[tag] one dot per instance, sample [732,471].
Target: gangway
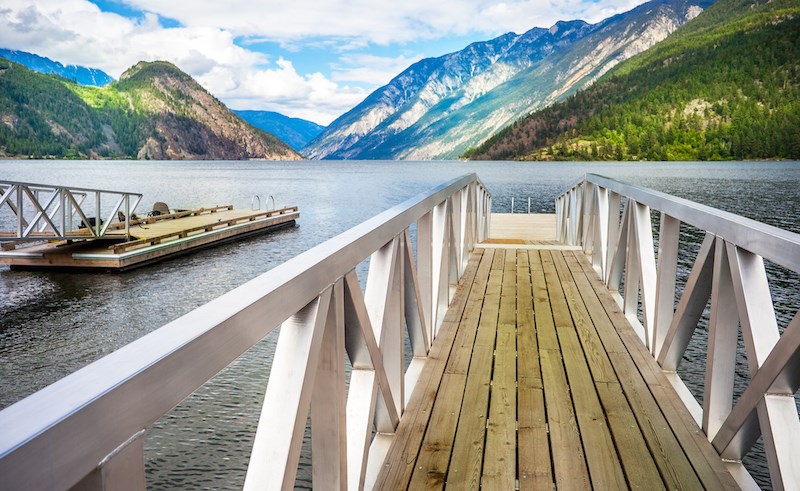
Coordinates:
[537,362]
[51,212]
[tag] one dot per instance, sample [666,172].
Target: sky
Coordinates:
[310,59]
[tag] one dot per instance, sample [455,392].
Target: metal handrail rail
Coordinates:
[611,221]
[34,216]
[775,244]
[95,416]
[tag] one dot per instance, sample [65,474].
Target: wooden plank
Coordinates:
[533,452]
[399,462]
[638,464]
[533,448]
[500,457]
[604,465]
[704,459]
[527,348]
[596,356]
[468,327]
[467,460]
[567,451]
[667,452]
[673,465]
[430,470]
[521,228]
[545,328]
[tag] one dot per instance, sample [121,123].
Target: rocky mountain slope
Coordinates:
[78,74]
[155,111]
[726,86]
[440,107]
[295,132]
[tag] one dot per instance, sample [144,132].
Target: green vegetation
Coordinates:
[36,112]
[725,86]
[154,111]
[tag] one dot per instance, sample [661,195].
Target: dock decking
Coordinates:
[151,239]
[537,380]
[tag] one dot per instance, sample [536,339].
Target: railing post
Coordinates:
[645,255]
[279,437]
[452,252]
[600,245]
[668,238]
[384,301]
[586,215]
[488,211]
[614,202]
[723,330]
[586,219]
[425,270]
[121,470]
[441,264]
[328,402]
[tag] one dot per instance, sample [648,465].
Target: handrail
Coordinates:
[87,427]
[611,221]
[52,217]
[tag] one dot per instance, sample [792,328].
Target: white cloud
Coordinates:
[313,97]
[370,69]
[379,21]
[78,32]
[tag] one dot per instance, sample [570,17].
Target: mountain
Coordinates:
[726,86]
[295,132]
[78,74]
[155,111]
[440,107]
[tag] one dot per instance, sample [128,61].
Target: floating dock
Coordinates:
[148,239]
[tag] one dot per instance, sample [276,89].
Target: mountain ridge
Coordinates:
[439,107]
[726,86]
[78,74]
[155,111]
[295,132]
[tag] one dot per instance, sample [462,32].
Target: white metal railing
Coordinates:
[88,427]
[42,211]
[611,221]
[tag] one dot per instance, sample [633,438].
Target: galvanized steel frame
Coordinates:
[611,221]
[86,429]
[54,209]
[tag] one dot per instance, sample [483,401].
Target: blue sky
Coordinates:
[313,59]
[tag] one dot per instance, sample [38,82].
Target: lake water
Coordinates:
[54,323]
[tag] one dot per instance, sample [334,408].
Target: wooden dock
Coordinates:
[537,381]
[149,240]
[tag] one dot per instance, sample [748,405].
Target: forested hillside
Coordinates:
[440,107]
[155,111]
[725,86]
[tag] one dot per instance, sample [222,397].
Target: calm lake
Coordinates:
[54,323]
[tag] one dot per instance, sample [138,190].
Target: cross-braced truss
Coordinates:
[611,221]
[44,212]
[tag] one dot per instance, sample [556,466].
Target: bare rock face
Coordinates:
[440,107]
[151,150]
[189,123]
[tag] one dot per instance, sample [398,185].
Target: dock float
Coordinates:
[148,240]
[474,357]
